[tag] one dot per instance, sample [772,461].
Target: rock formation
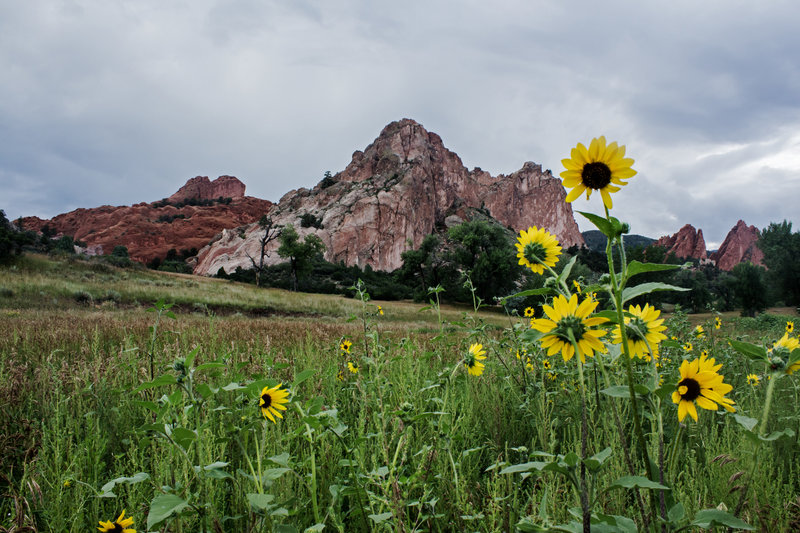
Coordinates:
[150,230]
[739,246]
[401,188]
[201,188]
[688,243]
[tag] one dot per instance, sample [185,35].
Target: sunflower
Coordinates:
[340,375]
[600,168]
[380,310]
[352,366]
[567,316]
[699,332]
[528,312]
[473,359]
[642,328]
[576,285]
[702,384]
[789,326]
[787,344]
[717,322]
[346,345]
[536,248]
[546,364]
[687,347]
[752,379]
[120,525]
[273,401]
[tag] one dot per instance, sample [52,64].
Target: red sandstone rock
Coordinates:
[398,190]
[201,188]
[739,246]
[138,227]
[687,243]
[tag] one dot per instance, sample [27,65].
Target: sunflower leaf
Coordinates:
[600,223]
[636,267]
[162,507]
[775,435]
[746,422]
[524,467]
[629,482]
[708,517]
[302,376]
[594,462]
[567,269]
[530,292]
[647,288]
[166,379]
[756,353]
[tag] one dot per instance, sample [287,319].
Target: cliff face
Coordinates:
[687,243]
[394,193]
[201,188]
[739,246]
[150,230]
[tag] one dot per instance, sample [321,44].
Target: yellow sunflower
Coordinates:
[537,248]
[528,312]
[789,326]
[273,401]
[565,316]
[380,310]
[473,359]
[576,285]
[701,384]
[717,322]
[643,326]
[120,525]
[699,332]
[752,379]
[352,367]
[345,346]
[600,168]
[787,344]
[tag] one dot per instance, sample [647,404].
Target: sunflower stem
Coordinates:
[673,455]
[584,490]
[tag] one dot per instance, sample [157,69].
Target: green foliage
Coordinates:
[11,240]
[781,249]
[310,220]
[750,289]
[300,254]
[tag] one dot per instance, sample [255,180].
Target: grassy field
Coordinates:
[111,401]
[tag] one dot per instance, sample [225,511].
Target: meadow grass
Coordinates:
[410,442]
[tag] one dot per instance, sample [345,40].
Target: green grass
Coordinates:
[410,443]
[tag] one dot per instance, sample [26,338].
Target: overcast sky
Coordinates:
[118,102]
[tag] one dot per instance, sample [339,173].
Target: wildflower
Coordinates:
[67,484]
[536,248]
[546,364]
[529,366]
[473,359]
[380,310]
[352,366]
[699,332]
[752,379]
[346,345]
[687,347]
[704,353]
[567,317]
[120,525]
[642,328]
[701,384]
[273,401]
[717,322]
[788,344]
[340,375]
[600,168]
[789,326]
[576,285]
[552,376]
[528,312]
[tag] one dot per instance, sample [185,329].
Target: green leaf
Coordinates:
[183,437]
[206,366]
[775,435]
[756,353]
[524,467]
[283,528]
[316,528]
[676,513]
[647,288]
[191,357]
[163,506]
[302,376]
[635,267]
[617,391]
[600,223]
[378,518]
[709,517]
[629,482]
[260,501]
[108,487]
[166,379]
[594,462]
[746,422]
[280,460]
[530,292]
[272,474]
[567,269]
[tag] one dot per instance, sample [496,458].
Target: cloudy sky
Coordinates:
[117,102]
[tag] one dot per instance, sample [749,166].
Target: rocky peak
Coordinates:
[401,188]
[740,245]
[687,243]
[201,188]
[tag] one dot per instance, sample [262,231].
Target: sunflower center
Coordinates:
[596,175]
[534,252]
[117,528]
[570,322]
[692,389]
[267,399]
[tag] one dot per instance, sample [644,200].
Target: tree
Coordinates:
[10,240]
[271,232]
[300,254]
[781,250]
[750,288]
